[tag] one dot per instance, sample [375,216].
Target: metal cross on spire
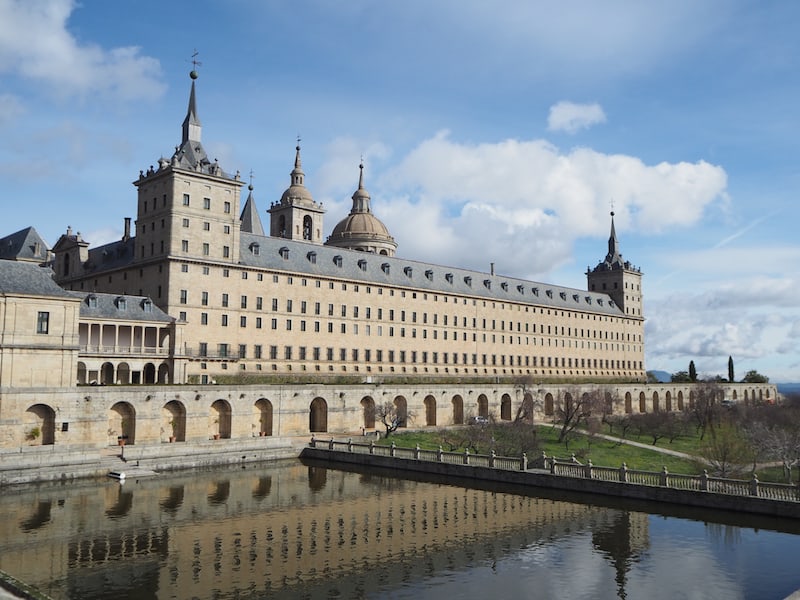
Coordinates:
[195,63]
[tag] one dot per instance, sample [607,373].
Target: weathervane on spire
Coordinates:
[612,207]
[251,179]
[195,63]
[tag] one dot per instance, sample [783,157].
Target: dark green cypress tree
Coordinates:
[730,369]
[692,372]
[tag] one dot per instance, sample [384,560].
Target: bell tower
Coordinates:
[297,216]
[618,278]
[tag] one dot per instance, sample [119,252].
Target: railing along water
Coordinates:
[575,469]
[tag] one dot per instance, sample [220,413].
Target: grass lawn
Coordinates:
[600,452]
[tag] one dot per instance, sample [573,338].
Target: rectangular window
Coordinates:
[186,199]
[203,318]
[203,349]
[207,203]
[227,206]
[204,298]
[242,321]
[206,249]
[224,300]
[242,351]
[224,320]
[243,302]
[257,351]
[185,222]
[259,303]
[223,350]
[275,304]
[184,246]
[43,322]
[183,296]
[226,252]
[288,306]
[258,322]
[273,353]
[287,353]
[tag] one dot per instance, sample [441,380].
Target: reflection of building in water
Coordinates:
[623,542]
[272,530]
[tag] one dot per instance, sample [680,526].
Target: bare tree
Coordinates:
[525,385]
[774,431]
[392,416]
[727,451]
[706,406]
[574,409]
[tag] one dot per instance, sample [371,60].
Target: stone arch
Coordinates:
[642,403]
[628,403]
[656,406]
[368,412]
[106,374]
[760,395]
[122,423]
[401,409]
[174,418]
[691,400]
[505,408]
[735,396]
[220,419]
[163,373]
[567,402]
[149,374]
[318,416]
[123,373]
[680,400]
[39,425]
[458,410]
[483,406]
[668,402]
[549,408]
[308,227]
[263,409]
[608,406]
[527,407]
[430,411]
[82,373]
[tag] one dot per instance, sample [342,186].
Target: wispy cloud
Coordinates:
[571,117]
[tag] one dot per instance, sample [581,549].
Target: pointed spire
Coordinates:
[361,198]
[613,245]
[249,219]
[191,124]
[297,172]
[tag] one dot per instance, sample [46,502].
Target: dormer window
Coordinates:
[429,275]
[563,295]
[487,283]
[337,260]
[312,257]
[91,301]
[284,252]
[535,291]
[385,268]
[147,305]
[362,264]
[549,293]
[121,302]
[576,297]
[588,299]
[504,286]
[600,301]
[521,289]
[468,281]
[408,271]
[255,248]
[448,278]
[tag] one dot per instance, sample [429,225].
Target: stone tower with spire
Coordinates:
[361,230]
[618,278]
[296,216]
[188,207]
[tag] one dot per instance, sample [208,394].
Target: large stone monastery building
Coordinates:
[293,303]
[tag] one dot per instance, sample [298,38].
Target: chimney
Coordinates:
[127,235]
[491,270]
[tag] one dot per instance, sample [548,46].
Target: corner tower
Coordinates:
[618,278]
[297,216]
[362,230]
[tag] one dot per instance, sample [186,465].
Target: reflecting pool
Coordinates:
[300,530]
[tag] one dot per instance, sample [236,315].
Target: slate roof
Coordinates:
[23,245]
[120,307]
[339,263]
[29,279]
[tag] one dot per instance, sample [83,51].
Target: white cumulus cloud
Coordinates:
[35,44]
[572,117]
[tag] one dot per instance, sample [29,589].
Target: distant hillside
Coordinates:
[788,388]
[662,376]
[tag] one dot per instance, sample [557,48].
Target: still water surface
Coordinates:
[294,530]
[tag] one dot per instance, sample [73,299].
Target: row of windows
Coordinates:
[187,201]
[367,329]
[330,354]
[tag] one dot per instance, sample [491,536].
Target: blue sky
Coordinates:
[488,134]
